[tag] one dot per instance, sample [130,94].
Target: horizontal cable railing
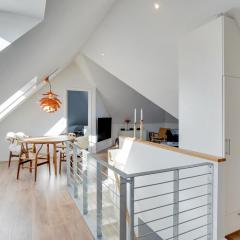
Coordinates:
[174,203]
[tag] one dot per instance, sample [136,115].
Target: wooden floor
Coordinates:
[234,236]
[38,211]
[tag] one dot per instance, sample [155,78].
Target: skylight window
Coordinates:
[3,43]
[18,97]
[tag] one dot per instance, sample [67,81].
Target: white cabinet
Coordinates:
[209,103]
[232,149]
[201,88]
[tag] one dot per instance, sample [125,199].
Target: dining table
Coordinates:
[51,140]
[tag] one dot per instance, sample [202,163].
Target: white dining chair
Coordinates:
[14,148]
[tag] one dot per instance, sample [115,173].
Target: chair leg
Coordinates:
[19,166]
[60,164]
[49,167]
[36,162]
[10,158]
[30,169]
[48,158]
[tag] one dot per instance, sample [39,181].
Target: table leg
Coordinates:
[55,158]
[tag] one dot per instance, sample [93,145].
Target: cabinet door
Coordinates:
[232,145]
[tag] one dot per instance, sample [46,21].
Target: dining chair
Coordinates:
[35,159]
[14,148]
[63,155]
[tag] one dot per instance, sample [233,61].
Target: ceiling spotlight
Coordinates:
[156,5]
[102,54]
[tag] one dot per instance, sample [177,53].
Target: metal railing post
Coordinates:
[68,162]
[75,171]
[176,204]
[131,212]
[99,200]
[210,202]
[123,208]
[85,182]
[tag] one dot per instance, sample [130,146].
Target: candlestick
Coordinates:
[135,122]
[141,114]
[135,115]
[141,130]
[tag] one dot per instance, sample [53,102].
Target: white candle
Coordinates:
[135,115]
[141,114]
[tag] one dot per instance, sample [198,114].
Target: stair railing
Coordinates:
[175,203]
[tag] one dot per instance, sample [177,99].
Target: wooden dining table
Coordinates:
[49,141]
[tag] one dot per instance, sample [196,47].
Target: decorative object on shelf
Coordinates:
[127,121]
[50,102]
[135,123]
[141,125]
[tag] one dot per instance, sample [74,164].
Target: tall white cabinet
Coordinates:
[209,103]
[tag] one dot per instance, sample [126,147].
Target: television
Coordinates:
[104,128]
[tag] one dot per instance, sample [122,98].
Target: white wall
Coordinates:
[201,89]
[116,99]
[29,118]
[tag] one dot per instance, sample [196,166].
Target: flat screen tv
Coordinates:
[104,128]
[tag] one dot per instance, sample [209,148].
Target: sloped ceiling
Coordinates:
[50,45]
[24,7]
[129,38]
[139,44]
[118,98]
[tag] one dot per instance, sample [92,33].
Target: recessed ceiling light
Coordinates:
[156,5]
[102,54]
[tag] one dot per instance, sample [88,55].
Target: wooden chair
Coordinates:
[12,155]
[163,133]
[35,157]
[160,136]
[14,147]
[62,150]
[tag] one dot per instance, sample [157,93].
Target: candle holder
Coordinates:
[141,130]
[134,130]
[127,121]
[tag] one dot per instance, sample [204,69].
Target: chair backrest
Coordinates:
[163,133]
[10,137]
[20,135]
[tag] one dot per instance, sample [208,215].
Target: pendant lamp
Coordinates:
[49,101]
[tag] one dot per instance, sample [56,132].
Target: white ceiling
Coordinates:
[33,8]
[140,44]
[50,45]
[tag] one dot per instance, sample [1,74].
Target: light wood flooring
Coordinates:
[38,211]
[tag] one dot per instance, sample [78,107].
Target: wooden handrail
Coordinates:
[204,156]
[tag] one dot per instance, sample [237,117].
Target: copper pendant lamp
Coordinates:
[49,101]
